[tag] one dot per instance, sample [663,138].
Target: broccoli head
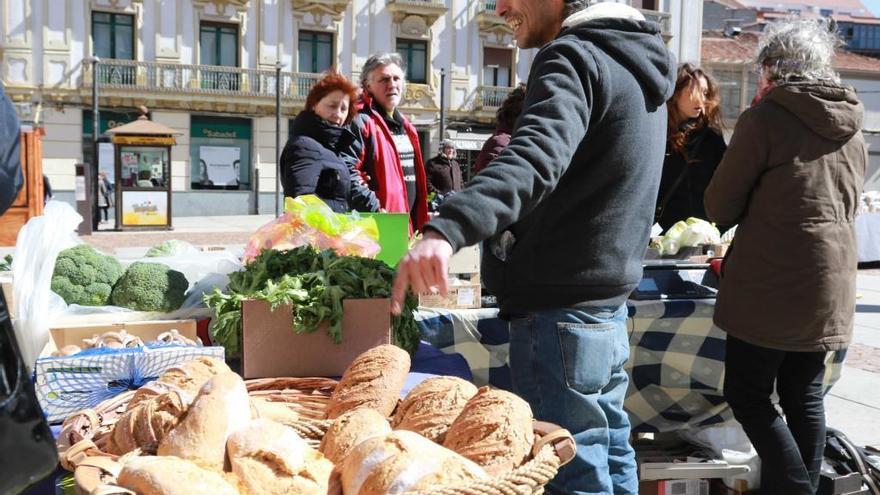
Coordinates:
[85,276]
[150,287]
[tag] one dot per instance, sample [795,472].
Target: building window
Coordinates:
[113,39]
[730,82]
[220,153]
[218,45]
[113,35]
[496,67]
[315,51]
[415,57]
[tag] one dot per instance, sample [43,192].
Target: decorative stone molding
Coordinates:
[319,8]
[121,6]
[220,6]
[419,97]
[489,21]
[414,25]
[431,10]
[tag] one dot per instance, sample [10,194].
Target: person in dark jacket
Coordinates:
[567,208]
[791,179]
[24,434]
[505,118]
[311,161]
[388,172]
[443,171]
[694,146]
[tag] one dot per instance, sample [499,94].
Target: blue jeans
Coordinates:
[568,364]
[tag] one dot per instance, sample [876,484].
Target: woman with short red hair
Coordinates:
[310,162]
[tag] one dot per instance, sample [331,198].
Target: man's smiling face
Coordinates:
[534,22]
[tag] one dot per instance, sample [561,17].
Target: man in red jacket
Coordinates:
[389,170]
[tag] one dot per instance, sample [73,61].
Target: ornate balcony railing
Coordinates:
[488,6]
[492,96]
[160,77]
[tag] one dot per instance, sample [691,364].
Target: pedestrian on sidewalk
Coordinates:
[567,209]
[791,178]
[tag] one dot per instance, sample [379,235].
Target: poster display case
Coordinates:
[143,175]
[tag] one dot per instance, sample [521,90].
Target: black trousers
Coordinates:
[791,450]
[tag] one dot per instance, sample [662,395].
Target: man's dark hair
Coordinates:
[510,108]
[572,6]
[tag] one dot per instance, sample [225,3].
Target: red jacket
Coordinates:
[387,173]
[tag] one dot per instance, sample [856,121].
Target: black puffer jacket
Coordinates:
[703,152]
[310,163]
[10,164]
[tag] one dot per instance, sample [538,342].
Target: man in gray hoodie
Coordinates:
[567,211]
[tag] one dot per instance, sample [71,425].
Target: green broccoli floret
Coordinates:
[150,287]
[170,247]
[85,276]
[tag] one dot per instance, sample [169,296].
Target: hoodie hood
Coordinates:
[623,33]
[828,109]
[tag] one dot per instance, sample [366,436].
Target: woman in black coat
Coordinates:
[310,162]
[694,146]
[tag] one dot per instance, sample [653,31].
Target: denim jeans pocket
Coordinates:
[590,352]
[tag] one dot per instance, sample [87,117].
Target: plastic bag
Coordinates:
[729,443]
[36,248]
[309,221]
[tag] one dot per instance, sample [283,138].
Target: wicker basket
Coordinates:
[85,434]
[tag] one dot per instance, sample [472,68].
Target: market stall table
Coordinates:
[676,363]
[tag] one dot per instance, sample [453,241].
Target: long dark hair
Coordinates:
[510,108]
[689,76]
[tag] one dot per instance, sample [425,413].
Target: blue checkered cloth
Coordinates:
[676,364]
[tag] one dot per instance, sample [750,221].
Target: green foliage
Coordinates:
[315,283]
[6,263]
[84,276]
[150,287]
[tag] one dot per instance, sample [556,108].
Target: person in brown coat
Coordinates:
[443,172]
[791,179]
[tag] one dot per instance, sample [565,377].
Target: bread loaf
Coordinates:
[431,407]
[402,461]
[185,379]
[171,476]
[350,429]
[374,379]
[146,424]
[270,458]
[494,430]
[280,412]
[220,408]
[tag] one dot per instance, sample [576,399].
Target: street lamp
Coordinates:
[277,137]
[96,126]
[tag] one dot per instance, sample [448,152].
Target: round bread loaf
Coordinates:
[185,379]
[270,458]
[152,475]
[431,407]
[402,461]
[494,430]
[146,424]
[374,379]
[350,429]
[221,408]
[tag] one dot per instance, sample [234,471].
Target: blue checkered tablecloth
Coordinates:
[676,363]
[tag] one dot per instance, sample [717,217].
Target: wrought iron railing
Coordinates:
[488,6]
[198,79]
[492,96]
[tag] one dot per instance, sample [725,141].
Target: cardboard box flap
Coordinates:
[271,347]
[60,336]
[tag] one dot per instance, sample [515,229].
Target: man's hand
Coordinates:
[423,268]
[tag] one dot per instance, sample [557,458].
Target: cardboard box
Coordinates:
[674,487]
[464,295]
[6,286]
[466,260]
[270,347]
[72,330]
